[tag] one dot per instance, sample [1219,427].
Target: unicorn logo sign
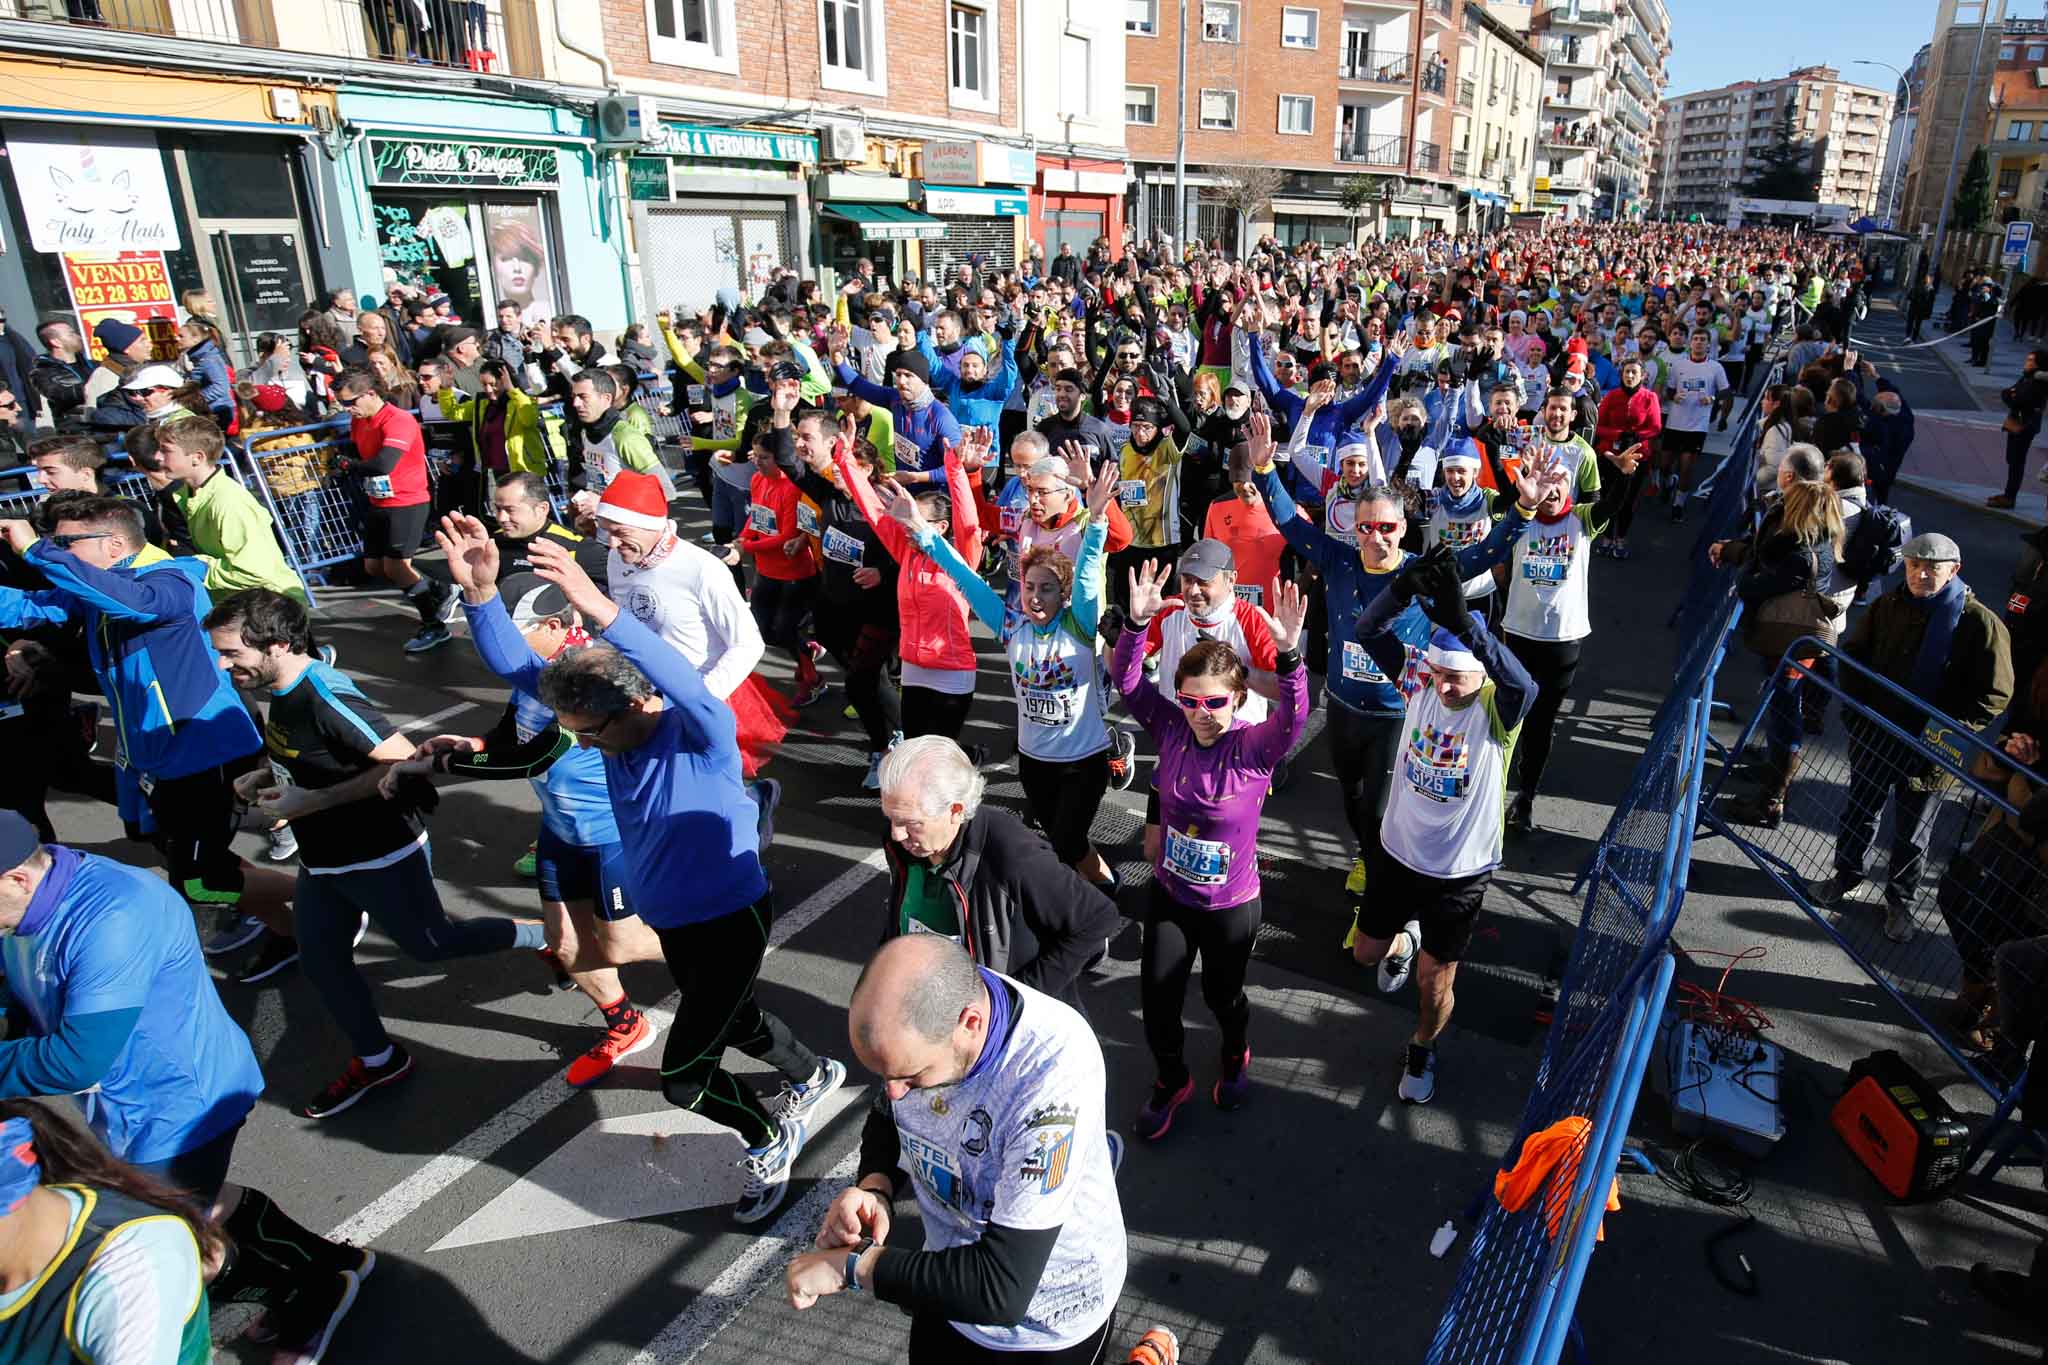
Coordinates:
[108,194]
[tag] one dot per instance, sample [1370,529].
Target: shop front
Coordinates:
[1318,218]
[1080,200]
[120,213]
[867,214]
[981,192]
[732,210]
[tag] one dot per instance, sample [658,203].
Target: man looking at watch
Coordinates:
[996,1108]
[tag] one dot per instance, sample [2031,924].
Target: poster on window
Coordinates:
[129,286]
[426,244]
[517,240]
[763,254]
[91,190]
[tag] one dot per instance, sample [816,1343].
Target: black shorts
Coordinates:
[197,817]
[394,532]
[1683,442]
[1447,908]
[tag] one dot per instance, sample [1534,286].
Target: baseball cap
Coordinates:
[17,840]
[156,377]
[1206,558]
[1935,546]
[531,599]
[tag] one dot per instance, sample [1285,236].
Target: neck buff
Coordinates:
[1465,508]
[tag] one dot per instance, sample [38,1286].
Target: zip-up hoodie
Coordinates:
[174,708]
[931,607]
[1637,415]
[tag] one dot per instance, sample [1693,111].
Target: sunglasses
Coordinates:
[67,541]
[594,731]
[1385,528]
[1189,703]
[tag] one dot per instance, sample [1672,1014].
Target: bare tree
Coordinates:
[1246,191]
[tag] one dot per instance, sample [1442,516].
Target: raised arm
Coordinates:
[855,481]
[984,600]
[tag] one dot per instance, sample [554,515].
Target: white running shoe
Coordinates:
[799,1099]
[1418,1076]
[873,781]
[767,1174]
[284,845]
[767,794]
[236,931]
[1396,967]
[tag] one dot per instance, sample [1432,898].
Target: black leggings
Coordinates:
[2017,444]
[934,1341]
[1064,796]
[714,964]
[780,605]
[863,649]
[927,711]
[1553,664]
[1362,750]
[1174,933]
[1632,485]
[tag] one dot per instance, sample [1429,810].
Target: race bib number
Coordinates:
[807,518]
[913,925]
[1437,764]
[1253,593]
[695,393]
[1546,571]
[1198,862]
[841,548]
[761,519]
[282,774]
[1319,454]
[1050,706]
[1131,492]
[1358,665]
[378,485]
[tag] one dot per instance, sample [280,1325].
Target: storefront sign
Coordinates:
[95,191]
[975,203]
[647,178]
[690,139]
[132,286]
[952,163]
[407,161]
[1002,164]
[267,278]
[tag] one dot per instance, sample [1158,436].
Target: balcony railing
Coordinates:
[501,36]
[1374,151]
[1440,8]
[1428,156]
[1388,73]
[1468,94]
[1461,163]
[1434,77]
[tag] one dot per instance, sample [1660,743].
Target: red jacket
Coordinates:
[1639,415]
[774,526]
[931,607]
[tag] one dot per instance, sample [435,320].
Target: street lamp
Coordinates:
[1891,200]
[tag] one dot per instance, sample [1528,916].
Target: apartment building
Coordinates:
[1712,139]
[1974,46]
[1905,131]
[1495,125]
[2018,142]
[1604,72]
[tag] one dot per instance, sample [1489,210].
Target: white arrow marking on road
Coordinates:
[409,1195]
[618,1169]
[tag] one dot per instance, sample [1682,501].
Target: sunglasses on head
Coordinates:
[1193,703]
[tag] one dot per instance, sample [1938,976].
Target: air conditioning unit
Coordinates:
[843,141]
[628,121]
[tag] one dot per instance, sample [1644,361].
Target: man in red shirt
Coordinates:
[392,464]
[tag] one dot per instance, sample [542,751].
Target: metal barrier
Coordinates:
[1959,883]
[1520,1279]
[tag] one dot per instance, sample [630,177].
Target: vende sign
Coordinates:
[952,163]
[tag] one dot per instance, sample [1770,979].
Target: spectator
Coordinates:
[61,371]
[278,363]
[1887,436]
[126,346]
[506,342]
[200,342]
[65,464]
[2024,400]
[341,311]
[17,363]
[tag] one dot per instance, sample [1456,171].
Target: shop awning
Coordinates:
[887,222]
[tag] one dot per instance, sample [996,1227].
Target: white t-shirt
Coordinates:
[1022,1143]
[690,600]
[1449,796]
[1694,384]
[1547,582]
[1459,533]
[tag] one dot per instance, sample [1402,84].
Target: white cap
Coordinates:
[157,377]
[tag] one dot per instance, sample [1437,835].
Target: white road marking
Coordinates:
[408,1196]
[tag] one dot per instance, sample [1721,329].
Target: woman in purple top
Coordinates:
[1212,781]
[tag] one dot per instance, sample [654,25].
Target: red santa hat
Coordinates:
[635,499]
[1576,365]
[1576,346]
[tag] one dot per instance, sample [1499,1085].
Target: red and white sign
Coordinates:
[134,286]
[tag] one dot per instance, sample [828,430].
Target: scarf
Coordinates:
[64,865]
[662,550]
[576,638]
[1465,508]
[1941,611]
[1000,1020]
[724,387]
[1561,514]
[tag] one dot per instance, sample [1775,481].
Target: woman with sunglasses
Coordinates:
[1213,778]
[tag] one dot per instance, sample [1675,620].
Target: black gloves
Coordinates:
[1446,603]
[1410,582]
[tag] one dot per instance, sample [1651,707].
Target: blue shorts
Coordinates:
[580,872]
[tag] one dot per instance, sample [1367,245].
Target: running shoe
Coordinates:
[1522,814]
[849,711]
[1836,889]
[1123,766]
[873,781]
[765,1174]
[87,716]
[327,654]
[236,930]
[1159,1346]
[1116,1150]
[1283,774]
[1234,1083]
[284,845]
[1395,967]
[429,637]
[1354,884]
[616,1045]
[449,606]
[977,754]
[1677,508]
[528,865]
[1618,550]
[357,1081]
[813,692]
[1603,547]
[1898,918]
[306,1320]
[362,930]
[800,1099]
[767,794]
[1418,1076]
[1157,1116]
[563,981]
[276,954]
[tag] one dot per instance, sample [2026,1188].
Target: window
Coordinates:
[2007,52]
[1297,113]
[2036,52]
[2008,183]
[1141,105]
[1077,76]
[1219,109]
[1142,17]
[695,33]
[851,45]
[971,68]
[2019,130]
[1298,27]
[1219,21]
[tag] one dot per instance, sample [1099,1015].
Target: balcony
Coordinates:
[1568,106]
[1437,9]
[1374,151]
[1557,134]
[1388,73]
[501,37]
[1435,76]
[1468,94]
[1570,50]
[1429,157]
[1570,14]
[1461,163]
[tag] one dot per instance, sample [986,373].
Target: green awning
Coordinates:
[888,222]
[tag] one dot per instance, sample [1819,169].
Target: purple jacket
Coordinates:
[1210,799]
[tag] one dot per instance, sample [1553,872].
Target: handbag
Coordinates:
[2011,426]
[1778,621]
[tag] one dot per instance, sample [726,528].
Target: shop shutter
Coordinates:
[993,239]
[688,254]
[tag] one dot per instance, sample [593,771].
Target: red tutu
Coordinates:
[761,717]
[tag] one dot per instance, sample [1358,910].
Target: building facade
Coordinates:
[1495,127]
[1969,50]
[1712,140]
[1905,131]
[1604,73]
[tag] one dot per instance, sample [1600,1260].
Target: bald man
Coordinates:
[995,1105]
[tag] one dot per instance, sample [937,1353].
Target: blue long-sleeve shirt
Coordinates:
[1356,680]
[983,406]
[922,434]
[1332,420]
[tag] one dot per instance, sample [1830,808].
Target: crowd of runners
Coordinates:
[1185,496]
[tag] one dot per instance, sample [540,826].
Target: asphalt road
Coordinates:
[517,1220]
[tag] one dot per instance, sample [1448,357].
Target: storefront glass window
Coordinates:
[476,252]
[517,240]
[246,181]
[1294,228]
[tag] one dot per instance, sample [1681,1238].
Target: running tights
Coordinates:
[934,1341]
[928,711]
[1362,750]
[1174,934]
[1064,796]
[1553,664]
[863,649]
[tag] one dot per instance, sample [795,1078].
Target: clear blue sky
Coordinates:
[1714,42]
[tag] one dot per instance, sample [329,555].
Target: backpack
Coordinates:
[1877,546]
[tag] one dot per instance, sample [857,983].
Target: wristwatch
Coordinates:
[853,1256]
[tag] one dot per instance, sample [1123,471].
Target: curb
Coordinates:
[1961,377]
[1949,495]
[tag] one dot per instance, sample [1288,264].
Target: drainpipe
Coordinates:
[604,63]
[608,180]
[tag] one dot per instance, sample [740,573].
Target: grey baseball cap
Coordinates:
[1935,546]
[1206,558]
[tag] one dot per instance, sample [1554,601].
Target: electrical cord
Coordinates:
[1698,1175]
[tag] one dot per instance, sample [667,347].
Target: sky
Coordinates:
[1716,42]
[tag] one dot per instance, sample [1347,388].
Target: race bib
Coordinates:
[1251,592]
[1009,520]
[761,519]
[1358,665]
[723,425]
[1131,492]
[1198,862]
[282,774]
[917,926]
[1320,454]
[1050,706]
[807,518]
[378,485]
[695,393]
[1437,764]
[842,548]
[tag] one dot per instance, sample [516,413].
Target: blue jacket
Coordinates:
[981,407]
[921,433]
[210,369]
[174,708]
[1887,439]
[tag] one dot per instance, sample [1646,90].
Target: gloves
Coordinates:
[1409,583]
[1445,602]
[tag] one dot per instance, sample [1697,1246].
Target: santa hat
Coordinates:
[1576,365]
[635,499]
[1576,346]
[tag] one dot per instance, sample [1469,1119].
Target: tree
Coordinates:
[1356,192]
[1787,171]
[1246,190]
[1973,195]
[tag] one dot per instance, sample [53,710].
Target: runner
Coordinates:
[1691,390]
[392,465]
[781,537]
[228,526]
